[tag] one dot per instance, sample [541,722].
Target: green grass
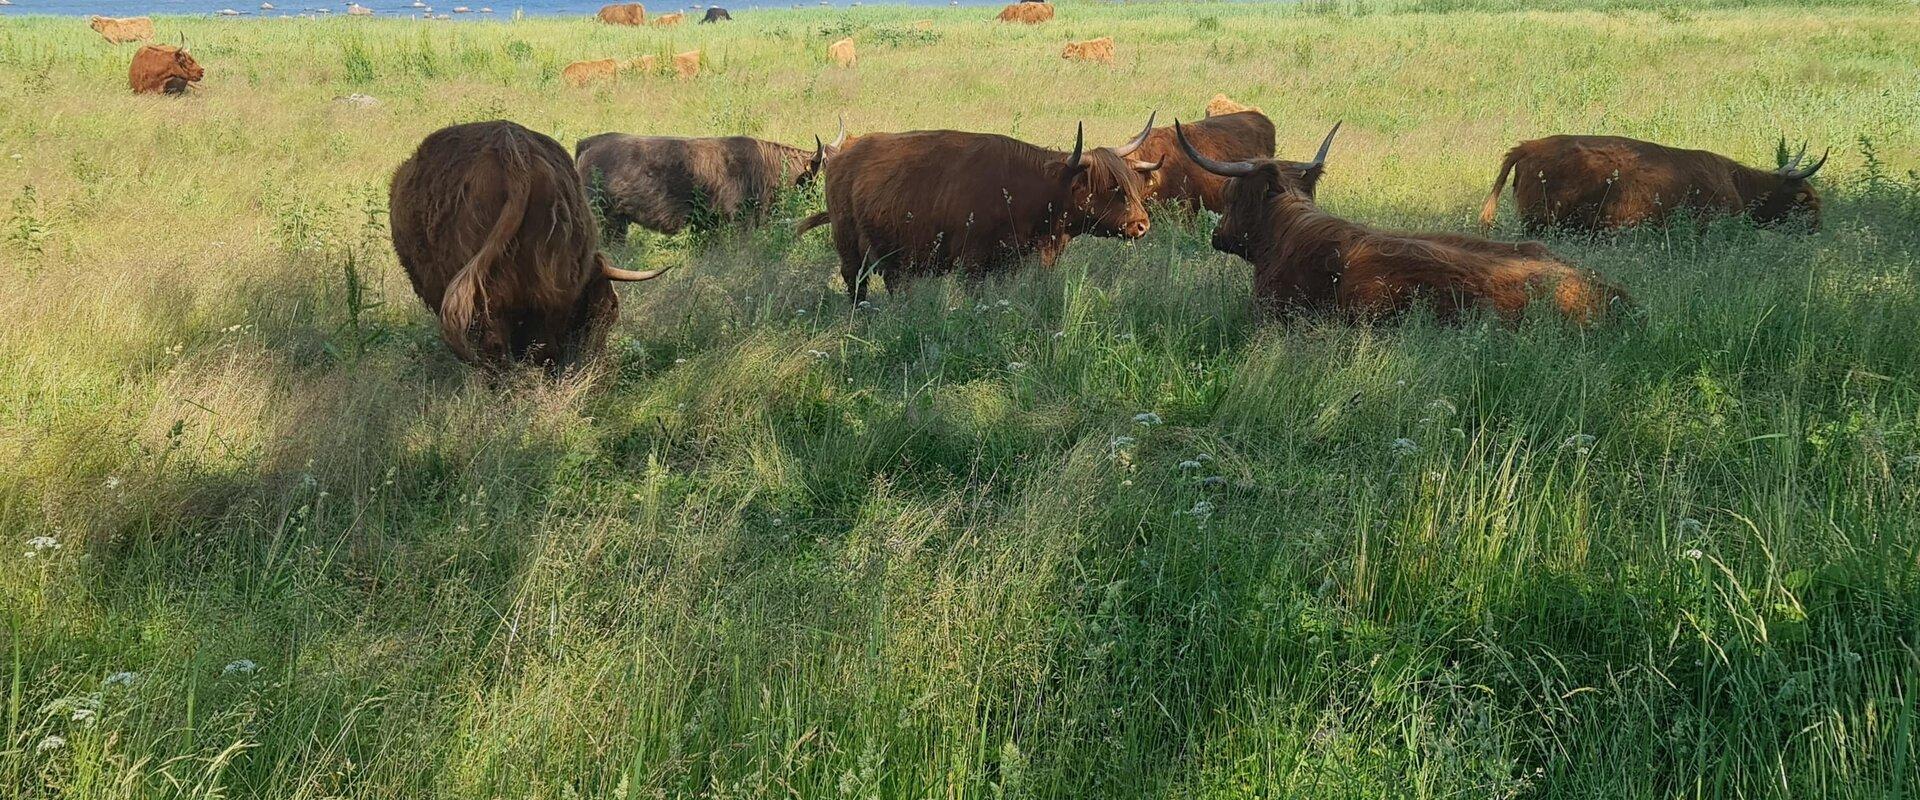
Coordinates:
[1674,557]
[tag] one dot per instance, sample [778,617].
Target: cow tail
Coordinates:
[812,221]
[1492,205]
[468,286]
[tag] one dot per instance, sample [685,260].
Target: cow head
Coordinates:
[184,66]
[98,23]
[1788,197]
[1254,190]
[1106,188]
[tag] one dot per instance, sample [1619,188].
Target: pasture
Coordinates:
[1087,532]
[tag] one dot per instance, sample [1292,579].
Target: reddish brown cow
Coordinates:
[161,69]
[928,202]
[1598,183]
[1306,259]
[493,228]
[665,183]
[1230,137]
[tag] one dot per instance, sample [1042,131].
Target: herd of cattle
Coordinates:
[500,231]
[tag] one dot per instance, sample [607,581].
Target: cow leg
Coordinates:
[1051,248]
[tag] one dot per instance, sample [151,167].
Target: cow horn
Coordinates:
[1230,169]
[1320,158]
[819,151]
[1079,141]
[1795,173]
[1127,149]
[613,273]
[840,140]
[1794,163]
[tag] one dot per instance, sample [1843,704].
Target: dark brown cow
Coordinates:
[928,202]
[1306,259]
[1599,183]
[492,226]
[664,183]
[162,69]
[716,14]
[1229,137]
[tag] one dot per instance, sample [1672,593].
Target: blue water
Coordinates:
[502,9]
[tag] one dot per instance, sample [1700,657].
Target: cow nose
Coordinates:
[1135,229]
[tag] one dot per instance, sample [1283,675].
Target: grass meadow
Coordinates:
[1088,532]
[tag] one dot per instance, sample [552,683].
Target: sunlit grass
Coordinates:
[1087,532]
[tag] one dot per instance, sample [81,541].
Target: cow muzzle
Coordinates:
[1134,229]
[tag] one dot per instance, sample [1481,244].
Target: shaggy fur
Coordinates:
[841,53]
[687,64]
[1222,105]
[1232,137]
[929,202]
[1100,50]
[716,14]
[665,183]
[1306,259]
[494,232]
[623,14]
[1029,13]
[581,73]
[668,20]
[121,31]
[1599,183]
[160,69]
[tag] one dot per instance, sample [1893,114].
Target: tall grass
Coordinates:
[1087,532]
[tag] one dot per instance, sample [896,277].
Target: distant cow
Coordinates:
[121,31]
[667,183]
[841,53]
[490,222]
[1598,183]
[645,64]
[1029,13]
[930,202]
[623,14]
[667,20]
[1100,50]
[716,14]
[1222,105]
[1306,259]
[687,64]
[581,73]
[162,69]
[1243,136]
[358,10]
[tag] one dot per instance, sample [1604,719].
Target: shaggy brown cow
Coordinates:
[162,69]
[1598,183]
[1306,259]
[1100,50]
[581,73]
[1029,13]
[495,234]
[716,14]
[668,20]
[121,31]
[623,14]
[841,53]
[687,64]
[664,183]
[1231,137]
[1222,105]
[928,202]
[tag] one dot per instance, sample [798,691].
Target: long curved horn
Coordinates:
[1794,173]
[840,140]
[819,151]
[1320,159]
[1790,166]
[1127,149]
[1231,169]
[1079,141]
[613,273]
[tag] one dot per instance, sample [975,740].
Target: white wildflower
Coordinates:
[1016,366]
[1443,406]
[1579,443]
[240,667]
[1202,510]
[1189,464]
[50,743]
[679,361]
[1403,447]
[122,679]
[1694,554]
[39,543]
[817,354]
[113,482]
[1148,419]
[84,716]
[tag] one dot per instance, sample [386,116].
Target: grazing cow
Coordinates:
[581,73]
[841,53]
[716,14]
[1243,136]
[1222,105]
[1029,13]
[1100,50]
[162,69]
[645,64]
[358,10]
[687,64]
[623,14]
[1306,259]
[928,202]
[1599,183]
[665,183]
[490,222]
[668,20]
[121,31]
